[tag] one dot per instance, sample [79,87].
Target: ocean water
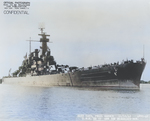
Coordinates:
[20,103]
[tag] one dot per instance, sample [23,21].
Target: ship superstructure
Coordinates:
[36,63]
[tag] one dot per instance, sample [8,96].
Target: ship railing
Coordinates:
[141,61]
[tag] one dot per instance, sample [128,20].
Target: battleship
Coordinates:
[41,69]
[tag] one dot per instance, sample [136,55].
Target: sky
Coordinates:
[83,32]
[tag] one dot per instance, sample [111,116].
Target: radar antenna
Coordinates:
[41,27]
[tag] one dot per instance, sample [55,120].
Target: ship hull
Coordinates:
[123,76]
[65,80]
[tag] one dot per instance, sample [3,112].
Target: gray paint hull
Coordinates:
[69,80]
